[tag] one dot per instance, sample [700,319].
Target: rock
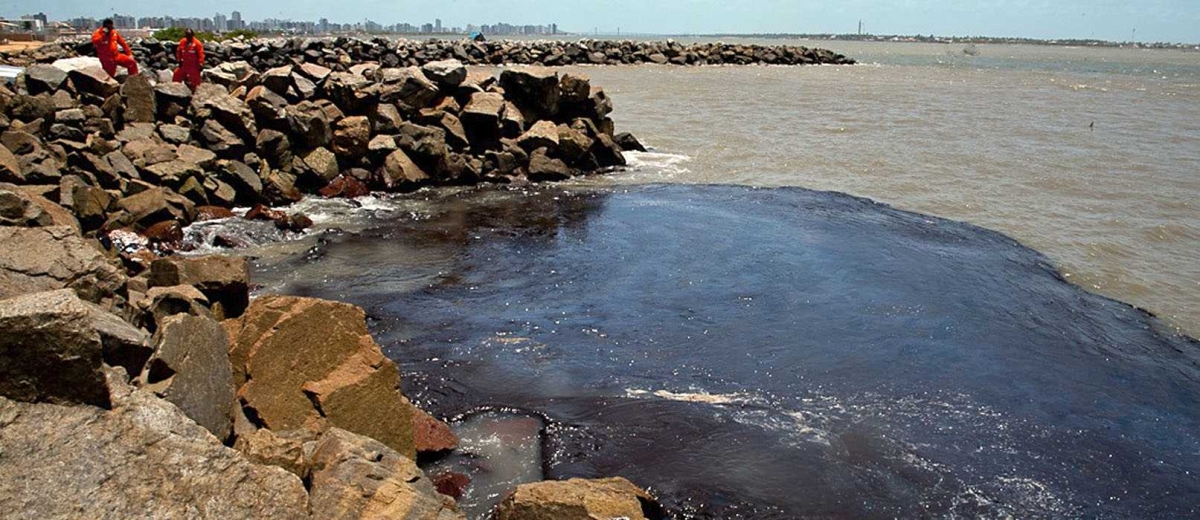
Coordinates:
[579,499]
[49,258]
[143,459]
[175,134]
[607,152]
[10,168]
[154,205]
[574,89]
[275,147]
[221,140]
[399,172]
[353,476]
[44,78]
[351,136]
[456,134]
[543,134]
[138,95]
[534,90]
[20,206]
[270,108]
[197,156]
[278,79]
[190,368]
[279,188]
[303,362]
[345,186]
[431,435]
[93,80]
[409,87]
[544,168]
[244,180]
[386,119]
[49,351]
[350,92]
[224,280]
[659,58]
[323,162]
[308,125]
[172,99]
[451,484]
[162,302]
[285,449]
[481,120]
[204,213]
[627,142]
[92,205]
[447,74]
[167,234]
[315,72]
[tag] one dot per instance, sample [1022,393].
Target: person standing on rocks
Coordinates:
[190,54]
[108,43]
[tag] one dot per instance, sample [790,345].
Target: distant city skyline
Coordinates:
[1116,20]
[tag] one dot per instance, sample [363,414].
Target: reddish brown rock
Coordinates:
[579,499]
[212,213]
[309,363]
[451,484]
[345,186]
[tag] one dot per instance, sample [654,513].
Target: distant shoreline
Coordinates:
[941,39]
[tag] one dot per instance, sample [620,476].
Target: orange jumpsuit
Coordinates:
[191,57]
[108,49]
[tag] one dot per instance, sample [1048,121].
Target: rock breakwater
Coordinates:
[343,53]
[148,156]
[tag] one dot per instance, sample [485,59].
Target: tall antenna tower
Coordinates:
[860,27]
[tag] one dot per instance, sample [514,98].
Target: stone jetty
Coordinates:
[343,53]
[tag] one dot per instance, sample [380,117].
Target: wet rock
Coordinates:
[224,280]
[190,368]
[542,167]
[354,476]
[49,352]
[142,459]
[431,435]
[204,213]
[49,258]
[303,362]
[451,484]
[579,499]
[629,143]
[166,234]
[345,186]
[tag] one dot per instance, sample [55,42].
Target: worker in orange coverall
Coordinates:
[190,54]
[108,43]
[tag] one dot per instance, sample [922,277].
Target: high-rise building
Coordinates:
[437,25]
[235,21]
[220,22]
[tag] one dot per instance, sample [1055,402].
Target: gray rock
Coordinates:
[49,352]
[143,459]
[139,98]
[93,80]
[41,78]
[50,258]
[448,74]
[190,368]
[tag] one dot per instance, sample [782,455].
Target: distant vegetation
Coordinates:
[176,33]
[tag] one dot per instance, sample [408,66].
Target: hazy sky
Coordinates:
[1165,20]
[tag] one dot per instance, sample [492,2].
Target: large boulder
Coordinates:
[351,136]
[190,368]
[49,258]
[10,166]
[353,476]
[142,459]
[41,78]
[21,206]
[309,363]
[535,91]
[138,95]
[579,499]
[93,80]
[543,134]
[49,352]
[224,280]
[447,74]
[408,87]
[399,172]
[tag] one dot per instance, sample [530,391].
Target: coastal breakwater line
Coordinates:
[146,158]
[342,53]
